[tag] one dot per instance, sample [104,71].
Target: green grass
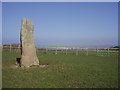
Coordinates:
[63,71]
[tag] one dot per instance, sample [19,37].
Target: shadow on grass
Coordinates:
[18,61]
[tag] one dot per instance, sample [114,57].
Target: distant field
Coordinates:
[63,71]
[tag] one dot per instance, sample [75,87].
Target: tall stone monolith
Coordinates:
[29,56]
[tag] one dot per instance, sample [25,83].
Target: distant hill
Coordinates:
[116,47]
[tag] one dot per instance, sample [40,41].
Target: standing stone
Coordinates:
[29,56]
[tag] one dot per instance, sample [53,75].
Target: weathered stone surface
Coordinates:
[29,56]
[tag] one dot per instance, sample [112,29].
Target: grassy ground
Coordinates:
[63,71]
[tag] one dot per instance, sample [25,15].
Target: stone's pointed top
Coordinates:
[26,21]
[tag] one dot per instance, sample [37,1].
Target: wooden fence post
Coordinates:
[108,51]
[10,47]
[18,47]
[76,52]
[56,51]
[1,47]
[46,49]
[87,52]
[97,51]
[66,51]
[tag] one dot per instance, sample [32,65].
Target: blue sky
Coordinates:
[0,24]
[72,24]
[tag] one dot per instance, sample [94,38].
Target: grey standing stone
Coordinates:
[29,56]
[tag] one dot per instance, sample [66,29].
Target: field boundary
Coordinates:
[66,49]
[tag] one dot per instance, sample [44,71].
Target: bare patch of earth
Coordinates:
[17,66]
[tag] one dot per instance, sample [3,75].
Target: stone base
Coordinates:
[29,61]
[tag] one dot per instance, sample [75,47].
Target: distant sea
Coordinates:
[55,43]
[52,45]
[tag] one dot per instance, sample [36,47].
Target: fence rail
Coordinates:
[66,49]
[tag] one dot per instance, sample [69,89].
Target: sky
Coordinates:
[0,24]
[60,1]
[63,23]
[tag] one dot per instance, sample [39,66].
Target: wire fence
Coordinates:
[66,49]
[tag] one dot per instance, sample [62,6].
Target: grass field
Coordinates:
[63,71]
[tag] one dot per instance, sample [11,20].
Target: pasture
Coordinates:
[63,71]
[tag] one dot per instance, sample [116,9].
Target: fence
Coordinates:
[66,49]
